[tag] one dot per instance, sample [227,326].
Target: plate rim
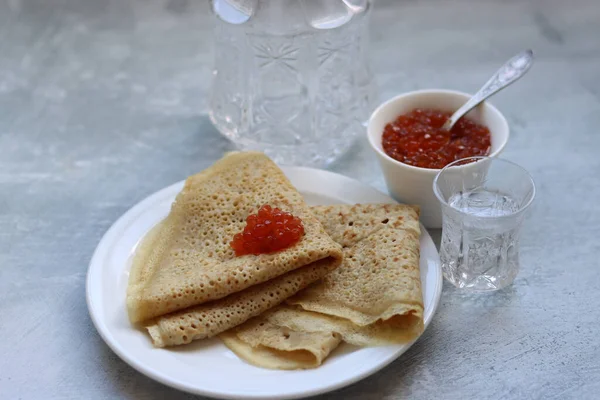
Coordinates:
[124,221]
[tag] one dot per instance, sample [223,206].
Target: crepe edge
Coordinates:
[266,357]
[137,302]
[380,333]
[157,334]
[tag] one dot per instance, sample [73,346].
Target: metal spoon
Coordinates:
[507,74]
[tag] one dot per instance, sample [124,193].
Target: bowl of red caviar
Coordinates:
[405,133]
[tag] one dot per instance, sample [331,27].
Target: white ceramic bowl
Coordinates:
[414,185]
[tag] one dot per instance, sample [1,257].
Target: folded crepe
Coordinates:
[186,282]
[373,298]
[266,343]
[210,319]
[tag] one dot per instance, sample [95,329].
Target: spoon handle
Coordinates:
[507,74]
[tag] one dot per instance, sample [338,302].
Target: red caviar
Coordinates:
[417,139]
[267,231]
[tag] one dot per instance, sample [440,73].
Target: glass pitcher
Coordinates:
[291,77]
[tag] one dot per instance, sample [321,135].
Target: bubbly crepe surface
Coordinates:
[373,298]
[209,319]
[187,261]
[379,281]
[266,343]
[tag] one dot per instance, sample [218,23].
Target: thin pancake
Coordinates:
[373,299]
[267,344]
[212,318]
[378,288]
[381,333]
[187,261]
[349,224]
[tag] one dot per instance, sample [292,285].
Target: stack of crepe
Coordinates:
[373,298]
[287,309]
[186,282]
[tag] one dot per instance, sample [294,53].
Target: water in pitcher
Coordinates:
[291,77]
[476,253]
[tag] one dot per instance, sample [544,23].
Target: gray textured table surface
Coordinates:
[102,102]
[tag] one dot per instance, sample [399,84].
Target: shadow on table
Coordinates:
[397,380]
[131,384]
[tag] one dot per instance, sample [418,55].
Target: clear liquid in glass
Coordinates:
[480,251]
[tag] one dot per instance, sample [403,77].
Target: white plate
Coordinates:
[207,367]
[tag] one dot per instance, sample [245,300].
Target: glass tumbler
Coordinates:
[291,78]
[484,201]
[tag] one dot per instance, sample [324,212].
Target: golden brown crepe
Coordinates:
[268,344]
[214,317]
[187,262]
[378,286]
[348,224]
[380,333]
[373,298]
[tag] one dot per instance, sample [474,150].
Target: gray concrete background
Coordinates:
[102,102]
